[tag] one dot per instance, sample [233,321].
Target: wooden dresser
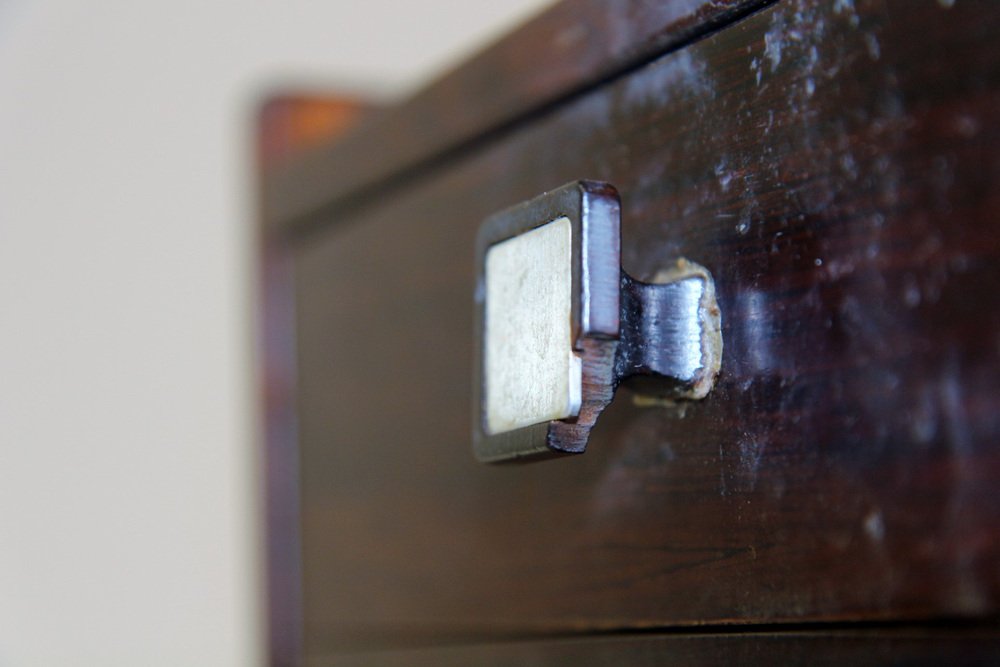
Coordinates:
[835,164]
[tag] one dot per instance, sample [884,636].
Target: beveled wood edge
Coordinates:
[286,122]
[492,93]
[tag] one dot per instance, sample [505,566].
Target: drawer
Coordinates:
[841,185]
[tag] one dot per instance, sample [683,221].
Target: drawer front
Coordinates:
[841,184]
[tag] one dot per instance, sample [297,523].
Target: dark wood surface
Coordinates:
[835,166]
[821,649]
[287,123]
[570,46]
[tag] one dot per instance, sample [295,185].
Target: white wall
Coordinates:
[128,500]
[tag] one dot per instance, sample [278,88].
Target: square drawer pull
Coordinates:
[560,326]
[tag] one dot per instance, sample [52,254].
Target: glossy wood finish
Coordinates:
[916,648]
[835,166]
[571,46]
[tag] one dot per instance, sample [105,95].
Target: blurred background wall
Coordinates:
[128,500]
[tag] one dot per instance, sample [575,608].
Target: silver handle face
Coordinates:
[559,325]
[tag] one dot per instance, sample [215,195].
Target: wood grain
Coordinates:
[836,166]
[570,47]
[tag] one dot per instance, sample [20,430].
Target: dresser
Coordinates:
[835,165]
